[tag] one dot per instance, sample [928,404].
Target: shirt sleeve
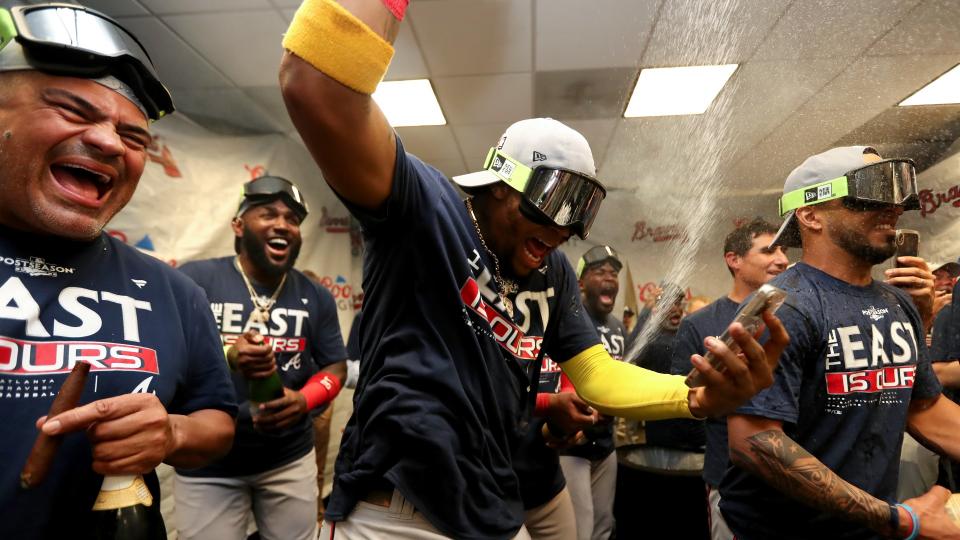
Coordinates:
[411,193]
[780,401]
[327,342]
[207,384]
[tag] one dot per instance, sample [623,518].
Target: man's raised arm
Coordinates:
[336,54]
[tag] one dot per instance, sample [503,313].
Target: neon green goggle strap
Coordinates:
[581,264]
[815,194]
[511,171]
[8,30]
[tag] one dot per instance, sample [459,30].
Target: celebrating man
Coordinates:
[463,297]
[856,374]
[274,322]
[74,113]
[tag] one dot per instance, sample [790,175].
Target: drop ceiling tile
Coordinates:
[177,63]
[764,94]
[475,141]
[705,32]
[573,34]
[486,98]
[117,8]
[932,28]
[910,124]
[597,133]
[430,143]
[651,152]
[464,37]
[831,28]
[226,110]
[878,82]
[805,133]
[407,62]
[449,167]
[592,93]
[244,45]
[167,7]
[287,3]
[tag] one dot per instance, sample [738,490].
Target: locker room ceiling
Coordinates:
[813,74]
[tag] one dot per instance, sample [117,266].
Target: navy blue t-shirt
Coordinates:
[710,434]
[447,379]
[842,390]
[305,334]
[537,465]
[141,325]
[946,332]
[599,442]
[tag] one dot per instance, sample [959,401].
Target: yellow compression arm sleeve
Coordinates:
[338,44]
[622,389]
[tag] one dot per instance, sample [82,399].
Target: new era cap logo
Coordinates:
[497,163]
[817,193]
[537,156]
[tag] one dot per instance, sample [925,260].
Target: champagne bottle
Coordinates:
[263,390]
[125,510]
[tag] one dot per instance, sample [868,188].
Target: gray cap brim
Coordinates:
[476,179]
[789,233]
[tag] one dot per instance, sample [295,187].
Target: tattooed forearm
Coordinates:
[785,465]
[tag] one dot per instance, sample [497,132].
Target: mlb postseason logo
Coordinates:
[36,266]
[817,193]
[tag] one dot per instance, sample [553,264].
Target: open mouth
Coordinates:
[85,185]
[278,247]
[536,251]
[607,296]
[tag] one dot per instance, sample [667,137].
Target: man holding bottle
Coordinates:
[74,121]
[282,338]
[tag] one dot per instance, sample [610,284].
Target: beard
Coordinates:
[858,246]
[257,251]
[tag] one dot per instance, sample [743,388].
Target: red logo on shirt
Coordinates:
[504,331]
[280,344]
[20,357]
[870,381]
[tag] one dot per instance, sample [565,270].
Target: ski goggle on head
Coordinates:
[265,189]
[884,183]
[551,195]
[71,40]
[598,255]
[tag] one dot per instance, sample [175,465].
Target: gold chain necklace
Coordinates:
[504,286]
[261,308]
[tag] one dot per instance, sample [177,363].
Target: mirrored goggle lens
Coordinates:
[56,34]
[567,198]
[81,30]
[886,182]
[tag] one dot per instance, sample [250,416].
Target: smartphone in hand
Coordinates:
[766,298]
[908,245]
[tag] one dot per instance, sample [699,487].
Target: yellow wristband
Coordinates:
[338,44]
